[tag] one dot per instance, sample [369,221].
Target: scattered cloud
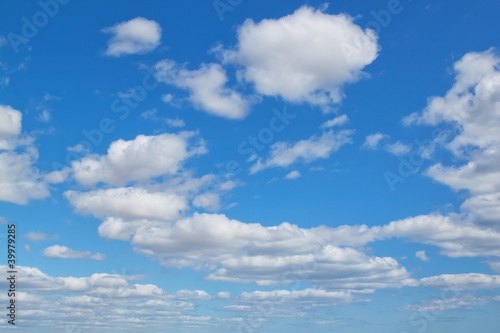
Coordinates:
[455,237]
[455,302]
[372,141]
[293,175]
[471,106]
[398,148]
[43,116]
[337,121]
[175,122]
[421,255]
[284,154]
[10,123]
[63,252]
[36,236]
[469,281]
[137,36]
[79,148]
[207,88]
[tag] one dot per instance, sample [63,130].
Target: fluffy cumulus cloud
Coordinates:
[472,106]
[20,180]
[284,154]
[137,36]
[207,88]
[234,251]
[280,58]
[124,210]
[140,159]
[160,188]
[454,236]
[128,203]
[63,252]
[10,123]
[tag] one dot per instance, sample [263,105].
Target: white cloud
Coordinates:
[223,295]
[209,201]
[19,180]
[337,121]
[79,148]
[484,208]
[469,281]
[44,116]
[472,106]
[454,302]
[63,252]
[398,148]
[124,210]
[10,122]
[284,154]
[454,236]
[140,159]
[175,122]
[238,252]
[294,303]
[421,255]
[293,175]
[372,141]
[130,203]
[36,236]
[137,36]
[150,114]
[281,59]
[192,295]
[85,303]
[494,265]
[207,88]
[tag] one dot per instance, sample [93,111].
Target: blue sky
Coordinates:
[251,166]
